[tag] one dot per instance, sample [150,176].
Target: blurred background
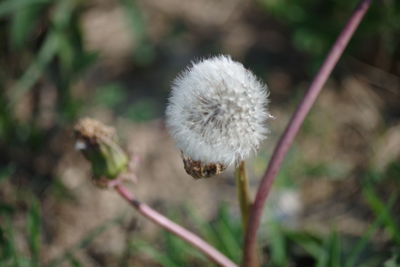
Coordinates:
[336,199]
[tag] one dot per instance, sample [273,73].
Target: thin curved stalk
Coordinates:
[291,130]
[209,251]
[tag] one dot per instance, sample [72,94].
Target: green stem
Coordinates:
[243,192]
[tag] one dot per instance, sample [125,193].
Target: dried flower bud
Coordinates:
[198,169]
[216,114]
[99,145]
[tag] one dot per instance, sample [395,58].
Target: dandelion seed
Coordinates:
[216,114]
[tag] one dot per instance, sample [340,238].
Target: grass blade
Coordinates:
[381,209]
[85,242]
[34,233]
[10,6]
[277,243]
[32,74]
[362,243]
[159,257]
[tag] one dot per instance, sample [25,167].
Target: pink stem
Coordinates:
[213,254]
[292,129]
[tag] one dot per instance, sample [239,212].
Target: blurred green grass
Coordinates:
[284,246]
[42,46]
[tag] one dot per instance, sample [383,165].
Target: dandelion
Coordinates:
[216,114]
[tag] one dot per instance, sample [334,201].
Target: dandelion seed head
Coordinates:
[217,111]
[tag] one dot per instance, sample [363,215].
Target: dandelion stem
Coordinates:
[213,254]
[243,192]
[249,258]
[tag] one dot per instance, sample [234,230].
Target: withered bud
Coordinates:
[99,145]
[198,169]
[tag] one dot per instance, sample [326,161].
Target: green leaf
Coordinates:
[74,261]
[205,229]
[144,53]
[330,256]
[24,20]
[12,249]
[228,236]
[277,243]
[6,172]
[110,95]
[142,110]
[32,74]
[10,6]
[334,250]
[5,251]
[381,209]
[86,241]
[355,253]
[34,233]
[159,257]
[310,243]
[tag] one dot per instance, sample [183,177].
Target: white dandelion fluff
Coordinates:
[217,112]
